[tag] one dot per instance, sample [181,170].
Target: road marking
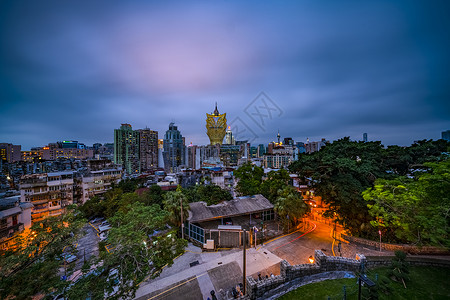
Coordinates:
[93,226]
[315,225]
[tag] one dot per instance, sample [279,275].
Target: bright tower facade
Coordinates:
[216,125]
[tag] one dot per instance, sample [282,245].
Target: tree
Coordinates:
[209,193]
[290,205]
[276,180]
[250,179]
[414,210]
[339,173]
[153,196]
[33,265]
[172,204]
[141,244]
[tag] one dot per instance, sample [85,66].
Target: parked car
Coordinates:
[104,226]
[69,258]
[95,220]
[103,236]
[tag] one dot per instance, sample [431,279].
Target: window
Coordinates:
[3,223]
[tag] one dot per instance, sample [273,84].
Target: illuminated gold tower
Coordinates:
[216,125]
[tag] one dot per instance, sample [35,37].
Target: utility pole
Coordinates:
[243,262]
[182,224]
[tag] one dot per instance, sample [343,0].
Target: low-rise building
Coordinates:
[15,217]
[98,182]
[50,193]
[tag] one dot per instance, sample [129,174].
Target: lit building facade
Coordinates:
[127,149]
[10,153]
[216,125]
[50,193]
[15,217]
[48,153]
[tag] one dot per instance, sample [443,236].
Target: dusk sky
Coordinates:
[327,69]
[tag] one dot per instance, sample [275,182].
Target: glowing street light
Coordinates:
[311,259]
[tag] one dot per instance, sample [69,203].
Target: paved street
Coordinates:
[220,271]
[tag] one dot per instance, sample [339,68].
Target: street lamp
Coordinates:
[311,259]
[379,232]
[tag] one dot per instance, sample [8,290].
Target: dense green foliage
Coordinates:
[33,266]
[141,243]
[290,205]
[249,179]
[342,170]
[209,193]
[173,203]
[414,210]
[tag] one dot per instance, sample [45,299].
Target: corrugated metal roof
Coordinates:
[200,212]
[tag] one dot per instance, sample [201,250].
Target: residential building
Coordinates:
[311,147]
[148,149]
[15,217]
[50,153]
[10,153]
[277,161]
[174,149]
[31,156]
[216,125]
[50,193]
[127,149]
[98,182]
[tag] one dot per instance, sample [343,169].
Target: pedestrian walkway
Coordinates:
[256,261]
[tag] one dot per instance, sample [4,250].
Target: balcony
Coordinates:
[10,231]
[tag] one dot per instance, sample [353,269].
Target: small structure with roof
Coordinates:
[225,221]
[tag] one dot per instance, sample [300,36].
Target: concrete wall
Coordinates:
[395,247]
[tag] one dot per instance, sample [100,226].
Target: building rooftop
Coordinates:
[200,212]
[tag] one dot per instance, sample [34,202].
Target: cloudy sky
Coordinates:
[310,69]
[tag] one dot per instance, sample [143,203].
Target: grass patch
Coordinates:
[424,283]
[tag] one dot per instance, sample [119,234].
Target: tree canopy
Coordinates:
[33,265]
[342,170]
[249,179]
[209,193]
[414,210]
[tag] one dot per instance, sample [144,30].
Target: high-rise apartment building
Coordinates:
[174,149]
[148,140]
[10,153]
[127,149]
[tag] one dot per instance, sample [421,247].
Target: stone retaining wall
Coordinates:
[324,267]
[322,263]
[394,247]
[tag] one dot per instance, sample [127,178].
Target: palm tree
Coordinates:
[289,205]
[172,203]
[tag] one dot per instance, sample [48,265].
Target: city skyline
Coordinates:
[78,71]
